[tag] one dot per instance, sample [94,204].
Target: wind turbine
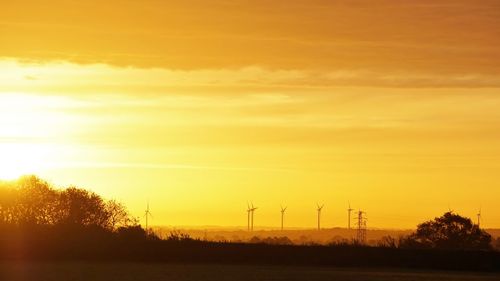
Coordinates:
[319,215]
[252,210]
[282,216]
[147,214]
[249,210]
[479,218]
[349,211]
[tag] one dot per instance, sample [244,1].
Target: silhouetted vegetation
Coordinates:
[31,201]
[272,240]
[38,221]
[178,236]
[496,244]
[451,232]
[388,242]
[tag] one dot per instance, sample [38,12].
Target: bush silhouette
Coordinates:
[131,233]
[450,231]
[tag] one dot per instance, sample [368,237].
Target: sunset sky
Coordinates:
[202,106]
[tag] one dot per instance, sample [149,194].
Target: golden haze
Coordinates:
[200,108]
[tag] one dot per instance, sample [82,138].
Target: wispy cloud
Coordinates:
[158,166]
[64,78]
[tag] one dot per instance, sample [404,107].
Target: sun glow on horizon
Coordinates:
[27,128]
[22,159]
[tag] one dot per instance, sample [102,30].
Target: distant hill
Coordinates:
[297,236]
[494,232]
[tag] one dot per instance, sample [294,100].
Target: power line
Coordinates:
[361,233]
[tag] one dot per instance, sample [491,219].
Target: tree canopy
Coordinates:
[450,231]
[32,201]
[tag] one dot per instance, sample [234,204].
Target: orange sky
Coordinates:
[201,106]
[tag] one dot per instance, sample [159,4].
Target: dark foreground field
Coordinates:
[76,271]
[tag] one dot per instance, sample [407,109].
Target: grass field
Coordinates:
[76,271]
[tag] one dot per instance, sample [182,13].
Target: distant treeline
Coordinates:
[325,237]
[38,221]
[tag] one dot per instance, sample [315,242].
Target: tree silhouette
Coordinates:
[31,201]
[34,202]
[84,208]
[7,203]
[118,215]
[38,221]
[450,231]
